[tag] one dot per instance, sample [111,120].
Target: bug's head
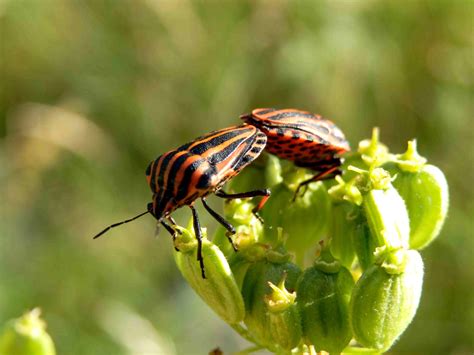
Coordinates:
[248,118]
[258,117]
[161,206]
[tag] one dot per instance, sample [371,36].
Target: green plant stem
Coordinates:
[243,332]
[246,335]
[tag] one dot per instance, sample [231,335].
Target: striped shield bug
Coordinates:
[196,169]
[309,140]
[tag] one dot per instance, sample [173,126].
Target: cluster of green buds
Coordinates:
[336,269]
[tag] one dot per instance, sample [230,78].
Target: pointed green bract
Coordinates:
[284,317]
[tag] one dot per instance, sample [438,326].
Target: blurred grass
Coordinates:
[91,91]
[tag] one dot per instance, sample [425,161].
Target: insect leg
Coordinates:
[197,232]
[171,231]
[324,175]
[230,228]
[263,192]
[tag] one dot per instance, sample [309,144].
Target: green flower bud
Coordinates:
[344,218]
[248,229]
[385,210]
[26,336]
[323,295]
[304,221]
[284,318]
[370,153]
[273,171]
[239,266]
[219,289]
[363,242]
[383,304]
[241,261]
[425,191]
[346,191]
[256,290]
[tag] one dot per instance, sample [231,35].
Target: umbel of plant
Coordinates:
[335,268]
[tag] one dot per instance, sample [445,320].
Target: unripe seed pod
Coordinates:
[425,191]
[350,231]
[323,295]
[241,261]
[370,153]
[386,212]
[256,288]
[284,317]
[364,243]
[273,171]
[343,226]
[239,266]
[248,229]
[383,304]
[219,289]
[426,196]
[26,336]
[304,221]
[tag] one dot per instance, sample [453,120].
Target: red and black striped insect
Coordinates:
[197,169]
[308,140]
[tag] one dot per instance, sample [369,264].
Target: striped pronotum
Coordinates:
[308,140]
[196,169]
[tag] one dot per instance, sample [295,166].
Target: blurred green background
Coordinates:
[91,91]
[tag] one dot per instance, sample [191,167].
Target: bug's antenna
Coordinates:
[119,223]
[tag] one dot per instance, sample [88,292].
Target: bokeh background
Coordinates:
[91,91]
